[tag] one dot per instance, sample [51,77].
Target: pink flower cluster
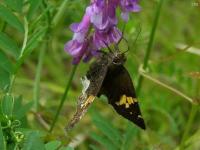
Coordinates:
[98,28]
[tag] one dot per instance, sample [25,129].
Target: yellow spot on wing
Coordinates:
[127,101]
[122,100]
[130,100]
[127,105]
[134,99]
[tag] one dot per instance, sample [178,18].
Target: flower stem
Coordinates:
[193,113]
[149,47]
[63,98]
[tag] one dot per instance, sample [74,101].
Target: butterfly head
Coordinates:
[118,58]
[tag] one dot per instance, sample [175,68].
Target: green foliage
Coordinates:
[53,145]
[8,45]
[32,37]
[5,71]
[33,142]
[7,105]
[34,5]
[10,18]
[111,137]
[15,4]
[2,140]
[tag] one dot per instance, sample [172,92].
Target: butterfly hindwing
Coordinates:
[119,89]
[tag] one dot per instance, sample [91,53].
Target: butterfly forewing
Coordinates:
[119,89]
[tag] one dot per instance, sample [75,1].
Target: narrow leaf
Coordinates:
[94,147]
[4,79]
[103,141]
[66,148]
[10,18]
[53,145]
[2,141]
[128,137]
[20,109]
[106,128]
[7,104]
[8,45]
[33,142]
[35,39]
[5,64]
[34,5]
[15,4]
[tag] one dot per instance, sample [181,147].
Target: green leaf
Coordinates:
[94,147]
[193,141]
[19,109]
[5,71]
[10,18]
[32,43]
[7,104]
[107,129]
[8,45]
[35,39]
[4,79]
[103,141]
[15,4]
[2,141]
[67,148]
[53,145]
[5,64]
[128,137]
[34,5]
[33,142]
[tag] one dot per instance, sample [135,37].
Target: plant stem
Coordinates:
[60,13]
[63,98]
[36,89]
[149,46]
[193,113]
[13,76]
[166,86]
[25,37]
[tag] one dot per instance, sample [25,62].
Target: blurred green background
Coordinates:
[168,116]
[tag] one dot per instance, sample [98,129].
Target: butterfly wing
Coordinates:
[92,83]
[119,89]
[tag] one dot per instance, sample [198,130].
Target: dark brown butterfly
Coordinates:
[109,77]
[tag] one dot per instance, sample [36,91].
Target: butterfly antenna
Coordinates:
[110,50]
[102,52]
[135,40]
[140,30]
[123,29]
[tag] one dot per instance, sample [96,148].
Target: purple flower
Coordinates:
[101,38]
[101,16]
[128,6]
[78,45]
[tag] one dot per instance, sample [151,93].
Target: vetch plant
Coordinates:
[98,28]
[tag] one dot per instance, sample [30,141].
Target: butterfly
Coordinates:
[108,76]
